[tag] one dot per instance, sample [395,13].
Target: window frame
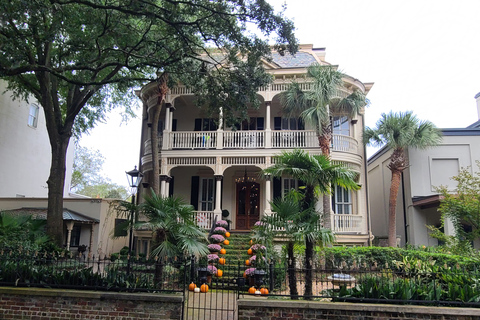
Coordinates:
[33,116]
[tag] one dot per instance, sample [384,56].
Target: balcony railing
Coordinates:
[276,139]
[347,223]
[341,223]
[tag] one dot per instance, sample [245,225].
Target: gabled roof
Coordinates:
[41,213]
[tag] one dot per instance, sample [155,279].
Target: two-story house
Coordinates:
[418,199]
[216,168]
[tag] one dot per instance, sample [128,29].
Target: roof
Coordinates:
[41,213]
[425,202]
[299,60]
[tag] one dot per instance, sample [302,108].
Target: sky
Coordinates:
[422,56]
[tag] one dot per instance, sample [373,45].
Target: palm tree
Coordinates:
[317,172]
[317,104]
[297,225]
[175,232]
[400,131]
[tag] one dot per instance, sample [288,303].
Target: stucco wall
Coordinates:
[25,152]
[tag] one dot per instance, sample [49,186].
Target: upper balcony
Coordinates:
[261,139]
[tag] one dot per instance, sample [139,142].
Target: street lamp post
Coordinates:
[134,178]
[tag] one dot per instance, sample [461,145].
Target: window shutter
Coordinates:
[260,123]
[174,125]
[170,187]
[198,124]
[277,123]
[277,188]
[194,192]
[301,124]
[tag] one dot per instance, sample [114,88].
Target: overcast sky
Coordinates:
[423,56]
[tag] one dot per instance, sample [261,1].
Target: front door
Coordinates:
[248,204]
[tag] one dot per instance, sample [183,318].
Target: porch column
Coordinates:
[166,128]
[448,227]
[268,130]
[218,197]
[268,195]
[220,130]
[69,233]
[163,184]
[90,246]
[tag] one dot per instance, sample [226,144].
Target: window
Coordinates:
[120,229]
[207,194]
[289,184]
[33,115]
[205,124]
[253,123]
[342,201]
[75,236]
[341,125]
[288,124]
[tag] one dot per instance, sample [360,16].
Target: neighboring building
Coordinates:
[25,152]
[216,168]
[417,199]
[25,157]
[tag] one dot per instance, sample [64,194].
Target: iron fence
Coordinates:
[420,283]
[131,274]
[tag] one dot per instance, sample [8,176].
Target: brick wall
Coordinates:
[51,304]
[263,309]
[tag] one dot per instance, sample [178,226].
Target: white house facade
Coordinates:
[216,168]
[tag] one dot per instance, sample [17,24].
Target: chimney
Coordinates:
[477,98]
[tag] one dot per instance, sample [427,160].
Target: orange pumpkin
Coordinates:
[221,261]
[264,291]
[204,288]
[244,274]
[250,252]
[192,286]
[223,251]
[247,262]
[227,234]
[252,290]
[219,273]
[226,242]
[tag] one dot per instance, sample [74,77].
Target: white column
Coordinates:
[268,130]
[166,130]
[268,195]
[163,184]
[218,197]
[448,227]
[69,233]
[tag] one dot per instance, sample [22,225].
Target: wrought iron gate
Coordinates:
[220,301]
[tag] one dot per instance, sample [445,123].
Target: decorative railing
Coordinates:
[343,223]
[204,219]
[289,139]
[193,140]
[275,139]
[243,139]
[344,143]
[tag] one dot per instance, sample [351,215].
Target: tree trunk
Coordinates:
[324,141]
[292,276]
[392,206]
[56,183]
[162,91]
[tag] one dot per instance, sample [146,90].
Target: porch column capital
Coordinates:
[164,177]
[268,103]
[218,177]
